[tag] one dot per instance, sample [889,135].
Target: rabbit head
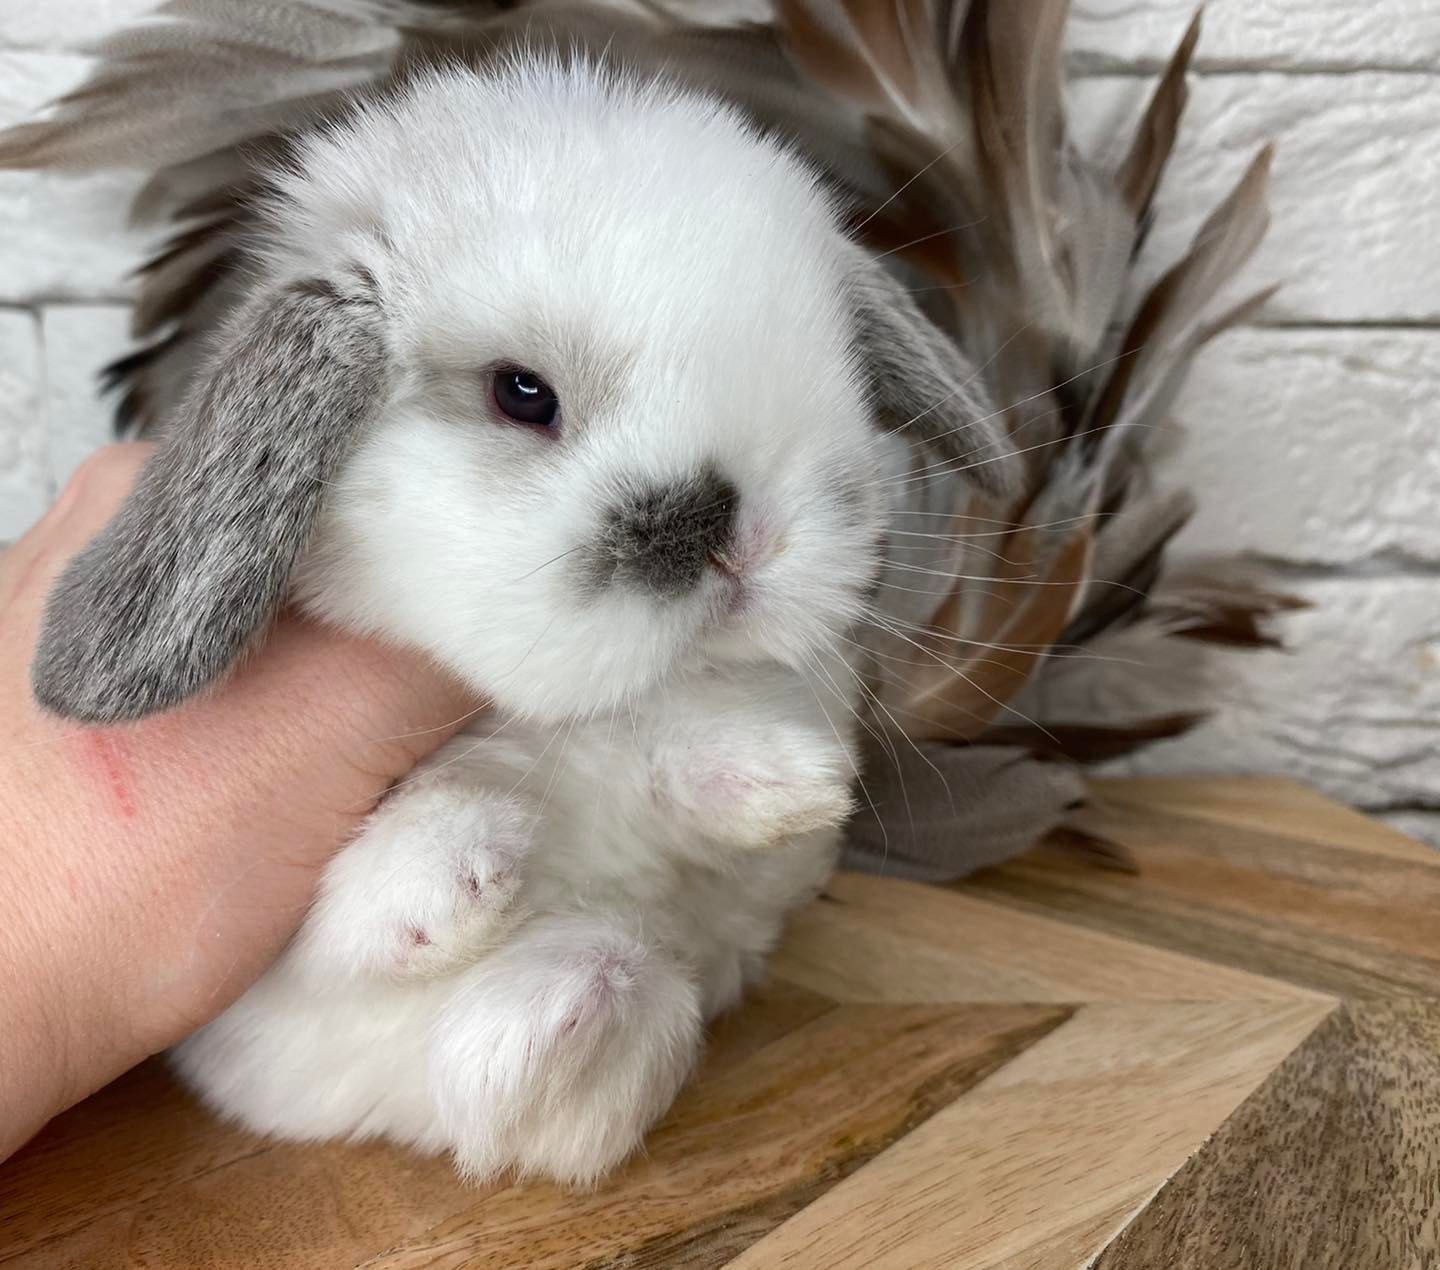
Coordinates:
[570,379]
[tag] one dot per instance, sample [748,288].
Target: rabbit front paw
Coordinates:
[753,788]
[561,1049]
[429,884]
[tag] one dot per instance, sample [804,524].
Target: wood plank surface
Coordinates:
[1112,1103]
[1226,1060]
[901,941]
[1265,802]
[1334,1164]
[1342,919]
[738,1157]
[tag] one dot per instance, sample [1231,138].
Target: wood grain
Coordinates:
[1230,1058]
[158,1141]
[1266,802]
[1112,1103]
[1335,919]
[748,1146]
[883,940]
[739,1156]
[1347,1132]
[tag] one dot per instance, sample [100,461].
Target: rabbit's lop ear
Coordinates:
[196,563]
[923,386]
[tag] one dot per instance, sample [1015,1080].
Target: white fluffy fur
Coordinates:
[514,960]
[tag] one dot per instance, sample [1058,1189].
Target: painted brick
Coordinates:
[63,236]
[79,340]
[1350,708]
[1356,230]
[1260,34]
[1317,446]
[25,487]
[64,24]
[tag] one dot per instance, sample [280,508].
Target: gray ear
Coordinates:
[923,386]
[196,563]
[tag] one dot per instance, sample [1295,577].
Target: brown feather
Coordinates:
[1129,556]
[939,812]
[820,41]
[1093,742]
[173,284]
[1224,610]
[959,696]
[1225,242]
[1139,175]
[1235,315]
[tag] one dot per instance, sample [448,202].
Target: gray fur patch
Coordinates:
[196,563]
[923,386]
[660,537]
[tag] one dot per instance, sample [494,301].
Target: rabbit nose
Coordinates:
[661,537]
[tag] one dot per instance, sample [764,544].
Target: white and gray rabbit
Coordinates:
[571,379]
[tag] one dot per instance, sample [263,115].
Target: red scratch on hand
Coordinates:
[106,755]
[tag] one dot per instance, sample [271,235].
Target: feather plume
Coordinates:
[1052,639]
[920,797]
[1162,337]
[266,66]
[958,697]
[1056,645]
[1139,176]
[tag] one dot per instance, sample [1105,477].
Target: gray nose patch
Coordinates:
[660,537]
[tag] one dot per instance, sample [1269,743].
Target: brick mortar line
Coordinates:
[1083,63]
[1381,566]
[1087,66]
[1379,325]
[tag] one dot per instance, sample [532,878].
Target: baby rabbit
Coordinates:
[569,377]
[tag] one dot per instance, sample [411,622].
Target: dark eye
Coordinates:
[524,397]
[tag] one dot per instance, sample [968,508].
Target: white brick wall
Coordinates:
[1290,35]
[25,486]
[1356,217]
[1310,437]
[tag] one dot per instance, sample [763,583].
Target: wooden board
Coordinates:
[1230,1059]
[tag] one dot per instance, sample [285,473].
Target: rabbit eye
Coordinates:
[521,395]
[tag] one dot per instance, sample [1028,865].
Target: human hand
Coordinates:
[152,871]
